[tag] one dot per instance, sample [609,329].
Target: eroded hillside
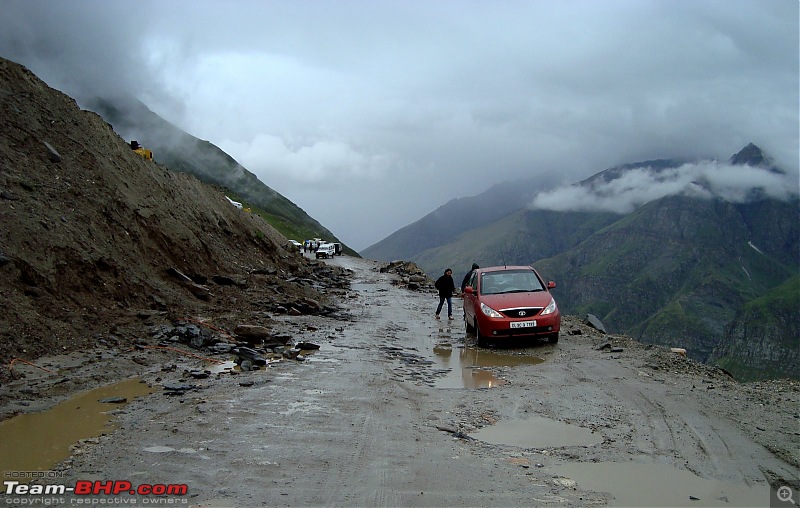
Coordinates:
[94,239]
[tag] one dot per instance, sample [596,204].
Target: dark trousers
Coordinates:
[449,305]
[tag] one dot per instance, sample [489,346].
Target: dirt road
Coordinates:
[398,409]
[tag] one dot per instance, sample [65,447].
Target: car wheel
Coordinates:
[469,327]
[553,338]
[483,340]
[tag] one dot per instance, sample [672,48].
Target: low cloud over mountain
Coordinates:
[637,186]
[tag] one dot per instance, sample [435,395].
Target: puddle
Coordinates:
[634,484]
[271,358]
[217,368]
[466,365]
[537,432]
[38,441]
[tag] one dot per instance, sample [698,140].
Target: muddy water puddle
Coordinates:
[467,367]
[537,432]
[38,441]
[634,484]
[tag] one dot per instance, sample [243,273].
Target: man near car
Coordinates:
[446,287]
[468,275]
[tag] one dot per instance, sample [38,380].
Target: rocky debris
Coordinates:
[190,334]
[411,275]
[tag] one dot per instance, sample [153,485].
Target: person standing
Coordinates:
[446,287]
[468,275]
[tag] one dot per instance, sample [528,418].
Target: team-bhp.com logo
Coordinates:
[98,488]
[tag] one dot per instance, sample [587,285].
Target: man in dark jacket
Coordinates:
[468,275]
[446,286]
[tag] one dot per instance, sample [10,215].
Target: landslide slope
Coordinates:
[89,231]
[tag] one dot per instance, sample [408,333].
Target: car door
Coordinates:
[470,298]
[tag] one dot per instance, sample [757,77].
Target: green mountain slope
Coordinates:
[185,153]
[762,341]
[676,271]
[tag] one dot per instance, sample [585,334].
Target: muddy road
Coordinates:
[398,409]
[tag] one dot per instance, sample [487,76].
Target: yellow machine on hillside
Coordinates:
[143,152]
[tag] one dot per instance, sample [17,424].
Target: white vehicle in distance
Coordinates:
[326,250]
[296,244]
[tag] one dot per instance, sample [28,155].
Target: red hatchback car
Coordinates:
[503,302]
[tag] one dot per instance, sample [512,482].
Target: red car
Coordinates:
[503,302]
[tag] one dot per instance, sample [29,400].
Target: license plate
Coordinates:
[523,324]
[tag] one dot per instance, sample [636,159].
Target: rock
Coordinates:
[595,323]
[246,353]
[307,346]
[252,333]
[224,280]
[177,389]
[291,353]
[197,290]
[53,154]
[114,400]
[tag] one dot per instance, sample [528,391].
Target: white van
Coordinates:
[326,250]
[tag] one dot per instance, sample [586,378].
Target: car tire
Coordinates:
[483,340]
[469,327]
[553,338]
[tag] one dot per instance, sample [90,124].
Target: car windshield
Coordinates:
[511,281]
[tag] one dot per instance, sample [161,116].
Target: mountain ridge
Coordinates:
[182,152]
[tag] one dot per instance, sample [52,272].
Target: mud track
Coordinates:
[384,414]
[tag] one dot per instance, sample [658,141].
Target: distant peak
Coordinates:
[751,155]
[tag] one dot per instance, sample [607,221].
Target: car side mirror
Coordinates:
[551,285]
[468,290]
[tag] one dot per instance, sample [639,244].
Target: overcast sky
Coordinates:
[370,114]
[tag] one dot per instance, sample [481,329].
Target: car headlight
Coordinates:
[551,307]
[489,311]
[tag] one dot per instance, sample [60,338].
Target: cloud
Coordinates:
[636,187]
[322,163]
[397,107]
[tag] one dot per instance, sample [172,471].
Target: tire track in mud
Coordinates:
[640,416]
